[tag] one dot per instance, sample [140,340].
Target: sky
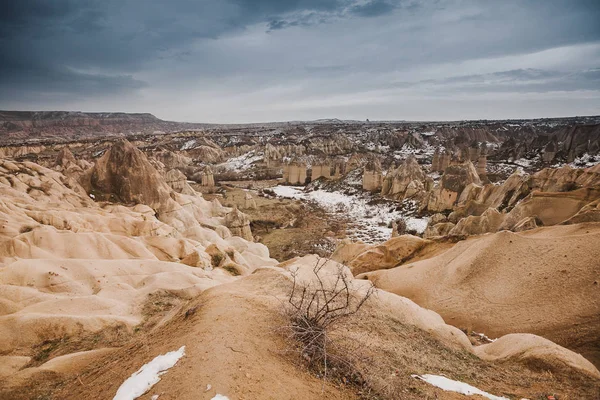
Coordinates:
[234,61]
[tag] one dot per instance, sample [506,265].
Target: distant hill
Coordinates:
[68,125]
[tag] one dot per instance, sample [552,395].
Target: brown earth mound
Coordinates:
[235,345]
[544,281]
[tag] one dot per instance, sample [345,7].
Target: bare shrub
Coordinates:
[313,308]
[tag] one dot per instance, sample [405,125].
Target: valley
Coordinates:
[465,249]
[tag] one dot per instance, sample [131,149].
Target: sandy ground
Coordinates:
[545,281]
[235,342]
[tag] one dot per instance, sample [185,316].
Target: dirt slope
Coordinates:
[545,281]
[234,343]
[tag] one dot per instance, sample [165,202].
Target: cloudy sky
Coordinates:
[277,60]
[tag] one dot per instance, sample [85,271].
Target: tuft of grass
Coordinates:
[216,259]
[26,228]
[231,269]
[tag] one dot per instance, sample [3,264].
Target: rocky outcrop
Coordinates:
[362,258]
[321,170]
[294,173]
[441,160]
[125,172]
[447,193]
[239,224]
[249,202]
[589,213]
[204,150]
[565,178]
[69,166]
[580,139]
[489,221]
[439,229]
[406,181]
[372,179]
[207,177]
[331,146]
[65,158]
[482,165]
[178,182]
[171,159]
[550,208]
[549,197]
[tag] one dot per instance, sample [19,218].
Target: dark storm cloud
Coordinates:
[88,48]
[56,37]
[373,8]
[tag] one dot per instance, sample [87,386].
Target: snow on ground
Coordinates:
[425,152]
[585,161]
[484,337]
[455,386]
[243,162]
[147,376]
[220,397]
[368,222]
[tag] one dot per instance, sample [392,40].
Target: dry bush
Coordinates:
[313,308]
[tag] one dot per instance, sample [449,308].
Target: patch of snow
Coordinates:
[147,376]
[288,191]
[241,163]
[92,196]
[188,145]
[450,385]
[425,152]
[585,161]
[417,224]
[484,337]
[527,162]
[220,397]
[370,221]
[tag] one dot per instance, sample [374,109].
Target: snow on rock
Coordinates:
[585,161]
[455,386]
[188,145]
[417,224]
[147,376]
[243,162]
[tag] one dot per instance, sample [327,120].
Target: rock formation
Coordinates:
[406,181]
[124,171]
[178,182]
[548,197]
[294,173]
[447,193]
[550,150]
[239,224]
[372,176]
[482,165]
[207,177]
[321,170]
[441,160]
[171,159]
[249,202]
